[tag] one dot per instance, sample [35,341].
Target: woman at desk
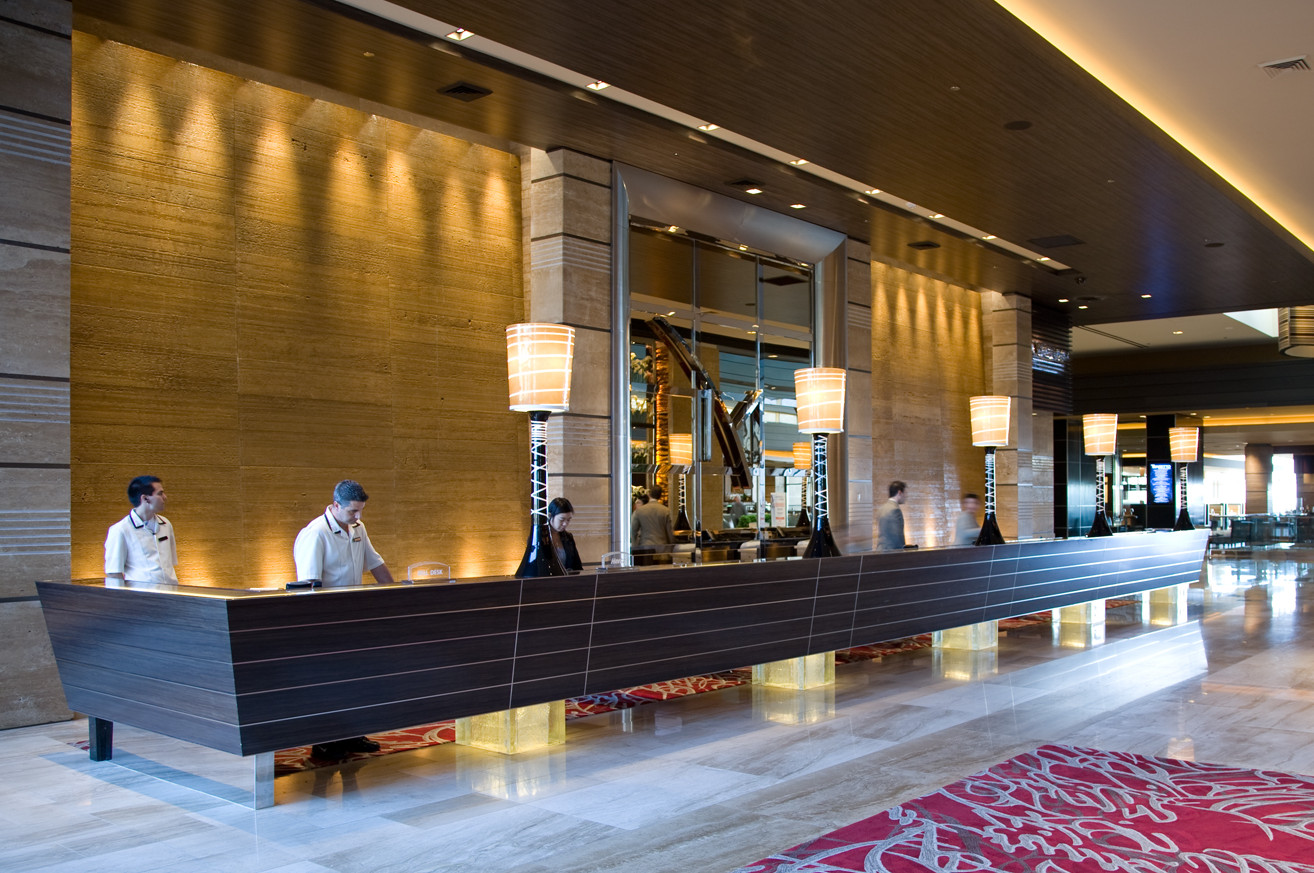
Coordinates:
[560,512]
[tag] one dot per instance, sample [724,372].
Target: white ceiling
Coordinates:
[1165,333]
[1192,67]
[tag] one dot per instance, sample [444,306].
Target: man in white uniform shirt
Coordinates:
[141,546]
[335,551]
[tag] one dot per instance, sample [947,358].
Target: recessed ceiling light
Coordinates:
[1177,333]
[672,312]
[597,86]
[872,191]
[368,54]
[1063,300]
[798,162]
[459,34]
[798,206]
[1146,296]
[937,215]
[990,236]
[1083,306]
[773,356]
[1042,259]
[674,228]
[709,127]
[743,248]
[752,190]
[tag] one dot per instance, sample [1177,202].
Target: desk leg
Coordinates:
[100,737]
[264,780]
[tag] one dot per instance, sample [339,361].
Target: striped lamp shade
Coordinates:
[538,361]
[1099,433]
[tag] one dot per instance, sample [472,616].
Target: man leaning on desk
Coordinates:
[334,550]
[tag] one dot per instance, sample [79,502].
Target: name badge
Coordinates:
[355,539]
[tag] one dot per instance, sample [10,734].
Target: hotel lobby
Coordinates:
[258,248]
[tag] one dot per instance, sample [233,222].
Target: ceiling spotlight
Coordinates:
[1083,306]
[990,236]
[669,314]
[798,162]
[1063,300]
[1042,259]
[368,54]
[743,248]
[459,34]
[1145,296]
[674,228]
[798,206]
[937,215]
[1177,333]
[752,190]
[872,191]
[709,127]
[597,86]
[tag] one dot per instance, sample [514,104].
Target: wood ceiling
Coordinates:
[911,96]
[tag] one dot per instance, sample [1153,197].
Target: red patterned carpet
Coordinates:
[1062,809]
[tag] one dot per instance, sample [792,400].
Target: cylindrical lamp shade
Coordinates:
[1099,433]
[802,456]
[989,420]
[820,395]
[538,360]
[1183,444]
[1296,331]
[681,449]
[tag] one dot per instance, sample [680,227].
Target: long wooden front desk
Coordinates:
[251,671]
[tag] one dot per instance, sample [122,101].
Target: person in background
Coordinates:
[560,513]
[737,510]
[651,523]
[966,527]
[889,518]
[141,546]
[335,550]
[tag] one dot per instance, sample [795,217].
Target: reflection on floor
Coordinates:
[703,783]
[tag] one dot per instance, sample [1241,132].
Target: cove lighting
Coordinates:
[597,86]
[459,34]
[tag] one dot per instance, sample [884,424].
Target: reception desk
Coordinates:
[251,671]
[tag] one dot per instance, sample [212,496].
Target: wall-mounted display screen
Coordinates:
[1161,483]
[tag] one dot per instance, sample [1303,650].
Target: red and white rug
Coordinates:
[1062,809]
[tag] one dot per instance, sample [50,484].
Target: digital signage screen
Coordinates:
[1161,483]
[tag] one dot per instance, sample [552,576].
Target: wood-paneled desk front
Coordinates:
[252,671]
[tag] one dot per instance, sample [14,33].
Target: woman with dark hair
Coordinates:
[560,512]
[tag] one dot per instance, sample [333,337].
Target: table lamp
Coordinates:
[1099,434]
[989,429]
[819,392]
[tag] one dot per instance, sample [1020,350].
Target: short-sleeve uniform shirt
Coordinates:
[143,551]
[334,555]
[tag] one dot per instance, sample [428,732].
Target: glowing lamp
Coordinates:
[538,361]
[1099,433]
[989,420]
[820,393]
[802,456]
[1183,444]
[681,445]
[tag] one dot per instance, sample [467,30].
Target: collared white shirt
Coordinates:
[140,553]
[334,555]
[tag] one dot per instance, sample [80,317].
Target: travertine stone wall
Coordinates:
[1009,329]
[34,391]
[857,535]
[927,360]
[569,276]
[272,292]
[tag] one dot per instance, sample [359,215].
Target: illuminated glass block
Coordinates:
[969,638]
[1071,635]
[512,731]
[1167,606]
[808,671]
[1091,612]
[965,665]
[792,706]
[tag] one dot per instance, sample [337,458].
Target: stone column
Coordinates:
[35,113]
[568,206]
[1259,475]
[857,402]
[1009,325]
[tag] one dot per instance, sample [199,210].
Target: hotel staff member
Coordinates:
[335,550]
[141,546]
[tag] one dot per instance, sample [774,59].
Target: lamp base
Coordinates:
[803,520]
[822,543]
[990,535]
[1101,527]
[540,558]
[682,521]
[1183,521]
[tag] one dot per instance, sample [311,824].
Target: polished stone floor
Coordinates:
[705,783]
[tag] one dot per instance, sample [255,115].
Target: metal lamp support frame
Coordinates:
[540,558]
[822,542]
[1101,526]
[990,535]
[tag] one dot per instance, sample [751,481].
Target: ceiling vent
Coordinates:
[1056,242]
[1276,68]
[465,91]
[923,244]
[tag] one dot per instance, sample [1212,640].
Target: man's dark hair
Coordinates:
[971,496]
[656,492]
[348,490]
[898,485]
[142,486]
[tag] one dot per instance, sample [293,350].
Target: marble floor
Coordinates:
[704,783]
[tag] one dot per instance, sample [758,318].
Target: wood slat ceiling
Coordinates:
[909,95]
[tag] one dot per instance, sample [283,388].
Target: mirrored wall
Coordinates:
[716,331]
